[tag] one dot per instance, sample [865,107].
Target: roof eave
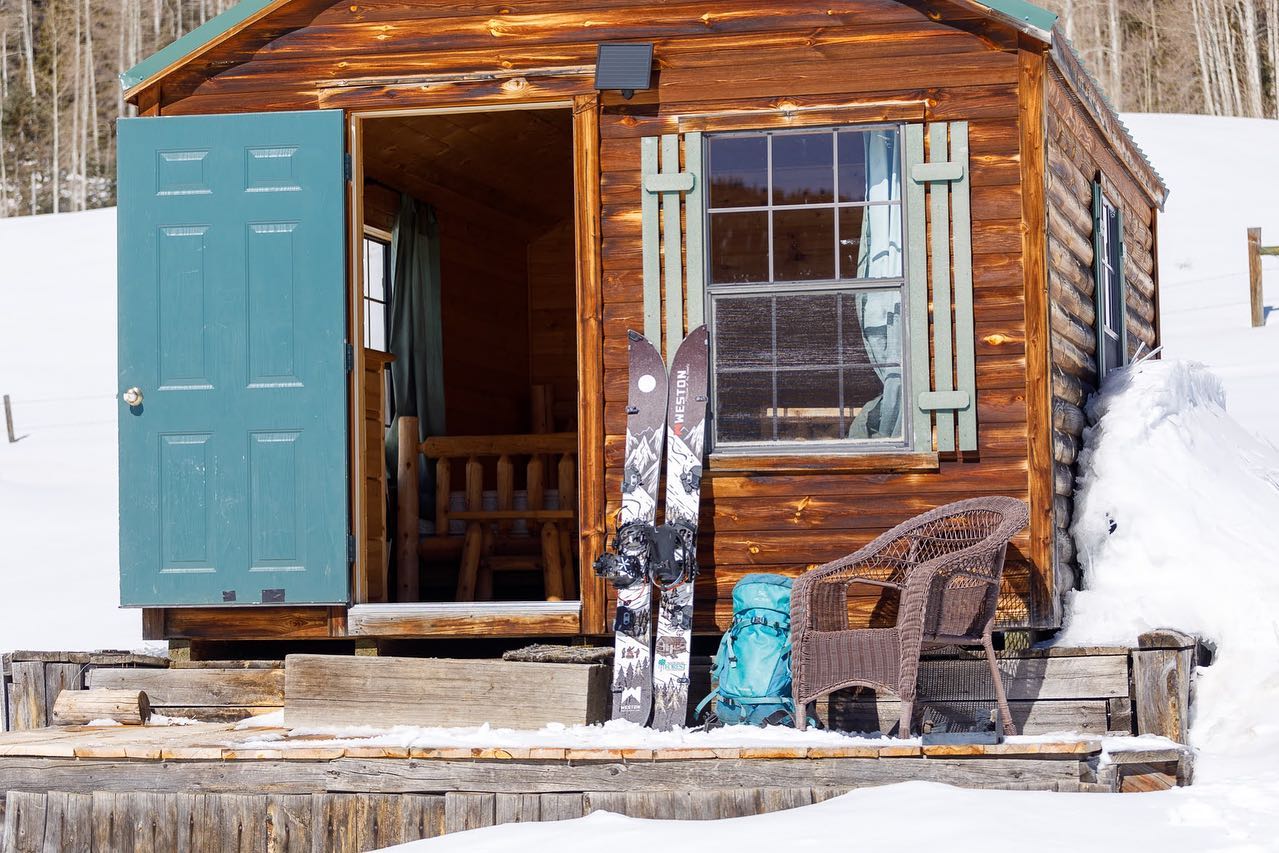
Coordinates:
[209,34]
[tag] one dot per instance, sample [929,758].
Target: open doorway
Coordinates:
[470,281]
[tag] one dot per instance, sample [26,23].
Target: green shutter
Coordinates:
[1099,277]
[673,256]
[941,183]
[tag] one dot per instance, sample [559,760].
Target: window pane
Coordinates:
[377,326]
[739,171]
[744,332]
[873,350]
[870,243]
[743,406]
[807,330]
[739,247]
[803,244]
[375,270]
[802,172]
[869,166]
[874,398]
[808,406]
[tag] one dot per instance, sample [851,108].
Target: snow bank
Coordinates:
[1175,520]
[58,496]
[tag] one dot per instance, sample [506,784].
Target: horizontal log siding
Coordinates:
[1077,152]
[721,57]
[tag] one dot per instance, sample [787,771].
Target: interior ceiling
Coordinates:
[519,162]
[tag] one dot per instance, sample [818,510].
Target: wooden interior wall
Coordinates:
[1077,154]
[497,182]
[552,317]
[713,58]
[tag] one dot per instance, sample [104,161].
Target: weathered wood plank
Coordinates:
[24,822]
[288,823]
[68,824]
[332,690]
[28,708]
[423,816]
[863,714]
[197,687]
[463,811]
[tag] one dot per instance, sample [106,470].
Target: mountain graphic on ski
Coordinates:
[674,563]
[627,566]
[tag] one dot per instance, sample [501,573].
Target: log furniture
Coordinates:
[489,463]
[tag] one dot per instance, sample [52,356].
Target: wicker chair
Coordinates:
[946,567]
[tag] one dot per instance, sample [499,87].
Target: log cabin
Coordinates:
[378,262]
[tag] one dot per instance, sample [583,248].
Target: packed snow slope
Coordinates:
[58,499]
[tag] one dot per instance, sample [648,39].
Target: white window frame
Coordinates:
[1112,314]
[714,292]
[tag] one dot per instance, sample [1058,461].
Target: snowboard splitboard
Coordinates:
[685,441]
[645,424]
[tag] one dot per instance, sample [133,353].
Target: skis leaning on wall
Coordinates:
[674,562]
[627,566]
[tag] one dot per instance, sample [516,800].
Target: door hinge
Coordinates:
[350,548]
[348,170]
[350,357]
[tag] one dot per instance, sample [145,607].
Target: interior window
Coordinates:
[377,293]
[805,288]
[1110,346]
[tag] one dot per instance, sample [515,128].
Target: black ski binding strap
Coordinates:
[672,559]
[627,564]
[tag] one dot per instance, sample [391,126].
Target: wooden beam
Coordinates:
[78,707]
[457,446]
[1255,251]
[1045,597]
[590,358]
[325,690]
[255,623]
[497,619]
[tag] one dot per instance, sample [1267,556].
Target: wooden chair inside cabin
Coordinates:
[493,527]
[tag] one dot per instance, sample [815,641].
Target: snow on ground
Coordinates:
[58,540]
[1221,187]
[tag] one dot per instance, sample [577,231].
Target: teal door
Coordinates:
[232,301]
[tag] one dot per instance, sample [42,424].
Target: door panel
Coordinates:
[233,469]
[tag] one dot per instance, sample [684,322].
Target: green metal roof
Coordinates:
[1035,16]
[1018,12]
[192,42]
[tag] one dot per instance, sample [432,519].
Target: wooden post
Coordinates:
[406,535]
[1162,666]
[443,485]
[8,419]
[1254,281]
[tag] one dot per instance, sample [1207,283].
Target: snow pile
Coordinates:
[1222,184]
[1174,520]
[58,497]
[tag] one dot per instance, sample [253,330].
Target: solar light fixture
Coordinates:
[626,67]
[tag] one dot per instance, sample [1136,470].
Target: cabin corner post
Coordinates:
[1032,121]
[590,357]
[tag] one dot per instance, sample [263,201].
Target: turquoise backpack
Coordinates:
[751,671]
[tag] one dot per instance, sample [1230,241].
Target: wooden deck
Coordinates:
[132,787]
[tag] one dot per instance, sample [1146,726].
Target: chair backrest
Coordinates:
[969,539]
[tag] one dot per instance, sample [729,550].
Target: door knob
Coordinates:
[133,396]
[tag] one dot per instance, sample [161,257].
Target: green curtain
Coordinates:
[417,333]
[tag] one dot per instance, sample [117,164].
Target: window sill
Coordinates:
[724,464]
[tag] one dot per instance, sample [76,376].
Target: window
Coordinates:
[377,293]
[806,289]
[1110,288]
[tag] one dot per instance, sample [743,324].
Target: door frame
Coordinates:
[584,111]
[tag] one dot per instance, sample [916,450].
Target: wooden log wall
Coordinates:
[1077,153]
[732,65]
[552,317]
